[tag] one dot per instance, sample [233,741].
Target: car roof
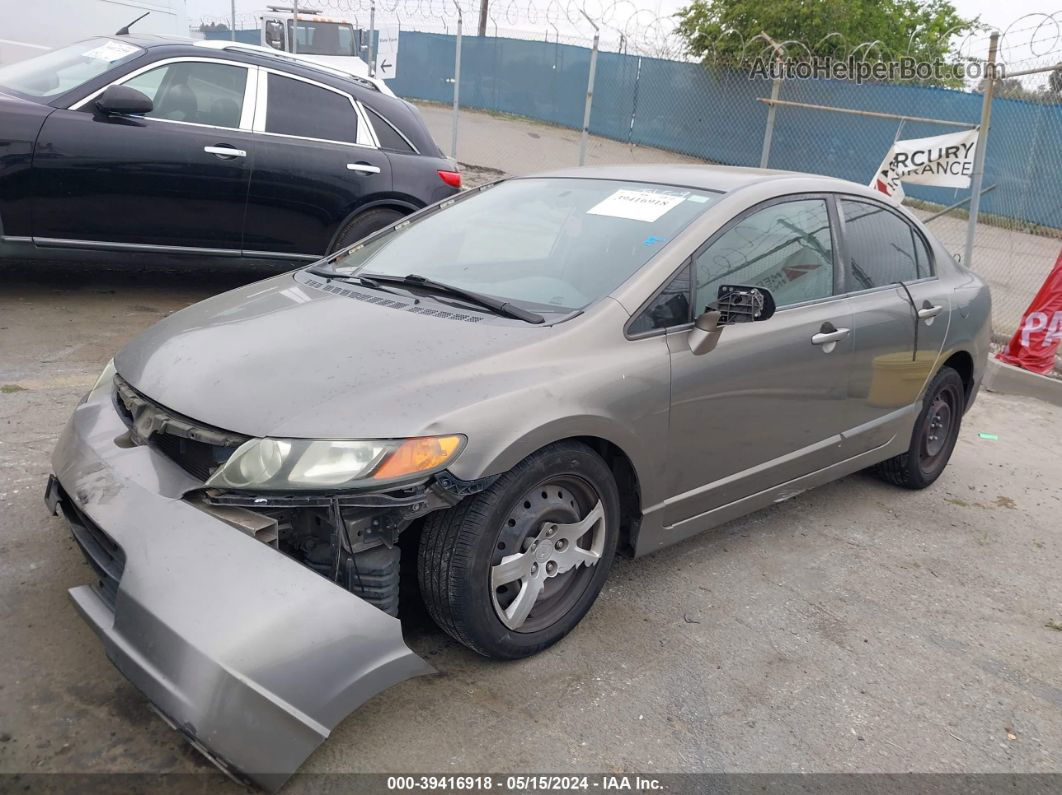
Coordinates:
[723,179]
[250,53]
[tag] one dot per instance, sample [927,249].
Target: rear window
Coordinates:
[62,70]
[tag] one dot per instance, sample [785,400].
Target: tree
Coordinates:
[1054,82]
[726,29]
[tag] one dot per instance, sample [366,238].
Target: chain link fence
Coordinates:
[523,92]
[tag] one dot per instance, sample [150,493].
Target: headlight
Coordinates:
[304,464]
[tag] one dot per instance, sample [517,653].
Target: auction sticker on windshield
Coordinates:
[637,205]
[111,51]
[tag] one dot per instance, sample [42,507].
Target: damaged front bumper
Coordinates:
[254,657]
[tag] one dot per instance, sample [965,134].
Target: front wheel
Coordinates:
[512,570]
[935,433]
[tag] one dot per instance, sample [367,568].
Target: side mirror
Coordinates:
[125,101]
[735,304]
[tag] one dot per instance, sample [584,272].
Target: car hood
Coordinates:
[284,358]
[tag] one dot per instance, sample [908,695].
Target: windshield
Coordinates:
[553,244]
[61,70]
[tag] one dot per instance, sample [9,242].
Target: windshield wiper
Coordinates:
[496,305]
[329,273]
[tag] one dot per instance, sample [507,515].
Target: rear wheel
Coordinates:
[364,225]
[512,570]
[934,435]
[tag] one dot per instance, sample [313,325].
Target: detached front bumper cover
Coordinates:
[252,656]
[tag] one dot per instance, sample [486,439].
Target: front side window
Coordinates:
[785,247]
[309,111]
[195,92]
[66,68]
[881,247]
[553,244]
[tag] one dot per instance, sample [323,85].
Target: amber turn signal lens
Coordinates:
[421,454]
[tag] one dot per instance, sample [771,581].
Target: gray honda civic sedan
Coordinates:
[499,393]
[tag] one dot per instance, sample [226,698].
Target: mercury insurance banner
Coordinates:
[942,160]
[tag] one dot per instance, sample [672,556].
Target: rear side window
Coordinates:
[882,247]
[388,136]
[670,308]
[923,262]
[308,111]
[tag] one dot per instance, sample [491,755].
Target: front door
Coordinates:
[176,177]
[901,312]
[315,164]
[767,405]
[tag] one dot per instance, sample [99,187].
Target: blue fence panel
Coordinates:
[243,35]
[713,113]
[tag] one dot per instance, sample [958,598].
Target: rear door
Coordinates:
[888,267]
[316,162]
[176,178]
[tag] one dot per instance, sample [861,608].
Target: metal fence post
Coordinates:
[589,90]
[776,89]
[457,82]
[979,152]
[372,34]
[768,133]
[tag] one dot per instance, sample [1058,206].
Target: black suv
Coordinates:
[160,149]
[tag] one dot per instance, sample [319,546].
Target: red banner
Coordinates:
[1035,342]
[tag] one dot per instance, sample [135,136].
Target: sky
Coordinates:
[992,12]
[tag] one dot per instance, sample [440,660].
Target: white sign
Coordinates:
[637,205]
[387,52]
[942,160]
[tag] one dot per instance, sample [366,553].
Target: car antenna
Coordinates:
[124,31]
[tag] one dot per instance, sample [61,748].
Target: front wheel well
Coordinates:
[962,363]
[402,207]
[627,484]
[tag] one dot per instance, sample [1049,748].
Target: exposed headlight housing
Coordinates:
[315,465]
[104,383]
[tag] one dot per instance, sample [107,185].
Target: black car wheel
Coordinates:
[933,439]
[364,225]
[513,569]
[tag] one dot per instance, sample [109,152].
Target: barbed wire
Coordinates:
[1030,40]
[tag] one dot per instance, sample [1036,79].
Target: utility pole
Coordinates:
[232,22]
[483,17]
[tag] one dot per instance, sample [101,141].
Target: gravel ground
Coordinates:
[854,628]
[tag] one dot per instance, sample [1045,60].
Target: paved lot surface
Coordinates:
[1013,263]
[854,628]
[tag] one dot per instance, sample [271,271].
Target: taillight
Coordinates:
[451,178]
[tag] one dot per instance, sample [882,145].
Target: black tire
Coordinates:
[363,225]
[931,443]
[459,547]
